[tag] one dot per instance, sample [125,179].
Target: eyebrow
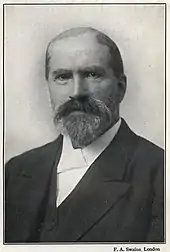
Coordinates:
[97,69]
[61,71]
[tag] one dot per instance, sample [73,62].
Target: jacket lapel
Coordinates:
[99,190]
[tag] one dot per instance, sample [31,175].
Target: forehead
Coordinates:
[79,51]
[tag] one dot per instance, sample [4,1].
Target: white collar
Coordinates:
[78,158]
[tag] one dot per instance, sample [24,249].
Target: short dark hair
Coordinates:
[116,59]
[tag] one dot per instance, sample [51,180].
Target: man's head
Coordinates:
[86,81]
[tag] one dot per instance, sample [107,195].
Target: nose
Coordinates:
[80,88]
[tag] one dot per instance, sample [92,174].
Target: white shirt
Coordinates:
[74,163]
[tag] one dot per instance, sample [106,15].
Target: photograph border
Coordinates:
[165,116]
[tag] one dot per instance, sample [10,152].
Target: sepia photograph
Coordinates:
[84,123]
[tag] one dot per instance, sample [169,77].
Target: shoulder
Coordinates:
[33,156]
[144,154]
[142,146]
[146,160]
[148,150]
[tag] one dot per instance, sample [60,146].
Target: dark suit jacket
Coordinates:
[119,199]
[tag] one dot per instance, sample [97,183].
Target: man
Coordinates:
[98,181]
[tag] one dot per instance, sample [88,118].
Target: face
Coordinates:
[80,67]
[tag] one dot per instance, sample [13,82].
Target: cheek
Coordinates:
[58,94]
[107,89]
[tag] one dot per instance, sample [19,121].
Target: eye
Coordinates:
[93,75]
[63,77]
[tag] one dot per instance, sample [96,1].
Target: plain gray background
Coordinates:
[138,31]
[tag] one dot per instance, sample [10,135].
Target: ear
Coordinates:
[121,87]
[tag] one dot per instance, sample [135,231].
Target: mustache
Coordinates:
[84,104]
